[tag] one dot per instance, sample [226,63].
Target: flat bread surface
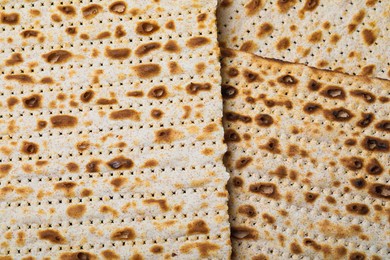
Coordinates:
[343,35]
[308,154]
[111,138]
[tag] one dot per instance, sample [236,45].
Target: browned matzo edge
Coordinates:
[111,137]
[347,36]
[308,155]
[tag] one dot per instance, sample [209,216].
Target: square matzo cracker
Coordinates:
[111,138]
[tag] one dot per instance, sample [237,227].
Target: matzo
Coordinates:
[308,154]
[111,136]
[347,35]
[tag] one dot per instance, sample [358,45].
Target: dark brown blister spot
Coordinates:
[76,211]
[226,3]
[126,233]
[383,125]
[72,167]
[125,114]
[272,146]
[120,162]
[87,96]
[201,17]
[22,78]
[237,182]
[147,27]
[368,70]
[57,56]
[311,243]
[371,2]
[5,169]
[338,114]
[228,91]
[146,48]
[311,197]
[15,58]
[357,208]
[172,46]
[312,107]
[103,35]
[333,92]
[162,203]
[366,120]
[56,18]
[252,7]
[234,117]
[170,25]
[353,163]
[51,235]
[47,80]
[136,93]
[29,33]
[314,85]
[247,210]
[71,30]
[358,183]
[248,46]
[287,80]
[197,41]
[315,37]
[231,136]
[158,92]
[310,5]
[63,121]
[32,102]
[29,148]
[91,10]
[365,95]
[375,144]
[265,30]
[118,54]
[251,76]
[285,5]
[12,101]
[243,162]
[10,19]
[167,135]
[157,249]
[244,233]
[268,218]
[268,190]
[357,256]
[93,166]
[67,9]
[119,31]
[264,120]
[147,70]
[156,113]
[118,7]
[233,72]
[105,101]
[280,172]
[79,255]
[295,248]
[379,190]
[194,88]
[369,36]
[197,227]
[110,255]
[350,142]
[283,44]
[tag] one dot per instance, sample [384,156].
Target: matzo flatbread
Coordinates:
[346,36]
[111,137]
[308,154]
